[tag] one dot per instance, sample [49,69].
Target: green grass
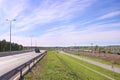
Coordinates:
[82,72]
[57,66]
[55,70]
[97,68]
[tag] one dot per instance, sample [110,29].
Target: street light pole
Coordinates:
[10,21]
[10,35]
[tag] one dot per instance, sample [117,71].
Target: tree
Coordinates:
[5,46]
[96,49]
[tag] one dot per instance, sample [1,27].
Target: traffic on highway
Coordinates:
[11,62]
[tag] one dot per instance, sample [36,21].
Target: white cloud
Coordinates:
[109,15]
[102,26]
[69,36]
[51,12]
[11,9]
[48,12]
[57,11]
[1,1]
[18,39]
[106,16]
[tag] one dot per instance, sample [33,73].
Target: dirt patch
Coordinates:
[108,57]
[35,72]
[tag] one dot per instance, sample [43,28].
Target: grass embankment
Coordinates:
[101,61]
[57,66]
[109,73]
[52,69]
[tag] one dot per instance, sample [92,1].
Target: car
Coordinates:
[37,50]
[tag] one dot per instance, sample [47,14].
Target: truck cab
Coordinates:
[37,50]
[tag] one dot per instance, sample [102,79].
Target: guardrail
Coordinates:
[19,72]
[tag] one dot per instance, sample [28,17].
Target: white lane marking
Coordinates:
[12,63]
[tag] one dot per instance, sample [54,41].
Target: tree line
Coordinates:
[5,46]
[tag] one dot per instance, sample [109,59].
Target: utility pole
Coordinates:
[113,67]
[31,42]
[10,21]
[36,43]
[91,47]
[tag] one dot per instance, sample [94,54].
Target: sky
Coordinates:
[61,22]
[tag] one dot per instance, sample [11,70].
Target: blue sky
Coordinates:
[61,22]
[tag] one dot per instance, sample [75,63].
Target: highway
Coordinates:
[11,62]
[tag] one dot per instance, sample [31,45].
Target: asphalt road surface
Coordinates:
[9,63]
[2,54]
